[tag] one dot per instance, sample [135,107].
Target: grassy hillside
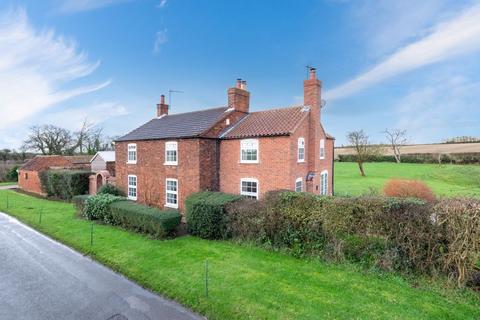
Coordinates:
[245,282]
[448,180]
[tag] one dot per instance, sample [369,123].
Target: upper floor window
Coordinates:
[132,187]
[249,151]
[299,185]
[171,193]
[322,148]
[301,150]
[324,182]
[249,188]
[132,153]
[171,152]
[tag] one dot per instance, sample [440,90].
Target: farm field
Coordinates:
[245,282]
[445,180]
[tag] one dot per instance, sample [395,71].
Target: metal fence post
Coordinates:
[91,235]
[40,216]
[206,278]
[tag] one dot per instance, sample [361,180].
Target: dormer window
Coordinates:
[301,150]
[132,153]
[171,153]
[249,151]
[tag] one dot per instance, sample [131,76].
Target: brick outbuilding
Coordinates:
[228,149]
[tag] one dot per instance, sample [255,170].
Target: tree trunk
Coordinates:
[360,166]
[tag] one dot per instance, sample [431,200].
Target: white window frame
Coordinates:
[247,193]
[167,192]
[131,187]
[301,184]
[301,146]
[132,147]
[249,144]
[171,146]
[324,182]
[322,148]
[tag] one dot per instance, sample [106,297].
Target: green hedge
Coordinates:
[455,158]
[205,212]
[111,189]
[64,184]
[139,218]
[98,207]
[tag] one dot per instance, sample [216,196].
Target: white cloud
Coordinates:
[457,36]
[73,6]
[160,40]
[445,107]
[35,67]
[162,4]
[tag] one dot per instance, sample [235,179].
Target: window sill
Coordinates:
[300,161]
[132,198]
[249,162]
[169,205]
[170,164]
[131,162]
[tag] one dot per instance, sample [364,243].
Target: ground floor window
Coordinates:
[324,182]
[249,188]
[299,185]
[171,193]
[132,187]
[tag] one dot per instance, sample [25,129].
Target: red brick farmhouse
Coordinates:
[227,149]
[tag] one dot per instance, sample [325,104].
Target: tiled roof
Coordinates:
[182,125]
[39,163]
[267,123]
[84,159]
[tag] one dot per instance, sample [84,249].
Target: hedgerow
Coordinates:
[64,184]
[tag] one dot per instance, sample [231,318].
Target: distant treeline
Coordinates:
[454,158]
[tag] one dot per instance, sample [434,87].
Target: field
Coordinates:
[245,282]
[7,184]
[445,180]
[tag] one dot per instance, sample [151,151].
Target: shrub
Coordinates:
[205,212]
[79,202]
[402,188]
[460,219]
[98,207]
[64,184]
[136,217]
[111,189]
[12,174]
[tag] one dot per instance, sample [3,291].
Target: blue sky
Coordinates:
[404,64]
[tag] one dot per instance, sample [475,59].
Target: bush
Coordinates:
[111,189]
[64,184]
[205,212]
[12,174]
[153,221]
[79,202]
[402,188]
[98,207]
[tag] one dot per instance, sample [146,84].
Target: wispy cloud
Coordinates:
[162,4]
[457,36]
[35,68]
[160,40]
[73,6]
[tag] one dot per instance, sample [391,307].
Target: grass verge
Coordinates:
[244,282]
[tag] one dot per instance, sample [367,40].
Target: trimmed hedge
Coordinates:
[64,184]
[455,158]
[205,212]
[111,189]
[139,218]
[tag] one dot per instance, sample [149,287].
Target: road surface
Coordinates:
[43,279]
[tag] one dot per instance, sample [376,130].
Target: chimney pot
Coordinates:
[162,99]
[244,85]
[239,83]
[313,73]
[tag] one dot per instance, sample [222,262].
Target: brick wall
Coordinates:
[29,181]
[272,171]
[194,172]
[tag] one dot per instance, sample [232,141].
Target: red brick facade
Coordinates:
[29,181]
[212,160]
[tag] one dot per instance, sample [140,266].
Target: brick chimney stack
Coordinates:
[162,107]
[239,97]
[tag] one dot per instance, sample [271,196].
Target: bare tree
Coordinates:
[363,149]
[5,155]
[49,140]
[397,138]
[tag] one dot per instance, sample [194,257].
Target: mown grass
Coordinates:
[244,282]
[445,180]
[8,183]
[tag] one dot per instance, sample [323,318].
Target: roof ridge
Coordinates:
[281,108]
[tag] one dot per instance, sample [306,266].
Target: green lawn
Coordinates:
[9,183]
[245,282]
[448,180]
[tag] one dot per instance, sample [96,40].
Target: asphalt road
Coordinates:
[43,279]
